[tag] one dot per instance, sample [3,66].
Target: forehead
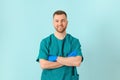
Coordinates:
[59,16]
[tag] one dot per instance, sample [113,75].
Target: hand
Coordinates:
[72,54]
[52,58]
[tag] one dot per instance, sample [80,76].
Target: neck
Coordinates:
[60,35]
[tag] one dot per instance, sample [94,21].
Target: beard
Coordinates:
[60,30]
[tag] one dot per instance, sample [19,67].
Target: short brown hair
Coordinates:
[59,12]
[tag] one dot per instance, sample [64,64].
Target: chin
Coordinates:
[61,31]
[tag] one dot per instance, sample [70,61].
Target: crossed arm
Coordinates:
[61,61]
[45,64]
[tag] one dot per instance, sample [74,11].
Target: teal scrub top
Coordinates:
[56,47]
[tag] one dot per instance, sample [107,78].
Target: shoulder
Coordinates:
[46,40]
[72,38]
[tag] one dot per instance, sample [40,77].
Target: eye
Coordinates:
[63,20]
[56,21]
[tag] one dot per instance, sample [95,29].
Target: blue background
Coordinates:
[23,23]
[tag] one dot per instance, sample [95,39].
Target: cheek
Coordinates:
[54,24]
[65,24]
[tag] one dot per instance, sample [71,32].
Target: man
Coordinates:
[60,52]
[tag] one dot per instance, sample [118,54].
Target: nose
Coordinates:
[60,23]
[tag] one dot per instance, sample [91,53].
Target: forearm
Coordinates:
[45,64]
[70,61]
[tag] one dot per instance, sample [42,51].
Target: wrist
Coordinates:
[59,59]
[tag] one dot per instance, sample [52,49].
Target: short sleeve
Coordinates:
[43,51]
[77,47]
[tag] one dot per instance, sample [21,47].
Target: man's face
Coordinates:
[60,23]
